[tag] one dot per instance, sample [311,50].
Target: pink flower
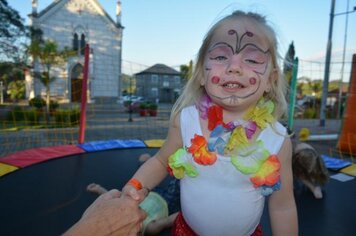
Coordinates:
[203,106]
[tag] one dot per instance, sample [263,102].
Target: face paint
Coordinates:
[215,80]
[234,50]
[238,41]
[252,81]
[252,54]
[235,98]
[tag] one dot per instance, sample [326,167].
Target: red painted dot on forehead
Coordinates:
[215,79]
[253,80]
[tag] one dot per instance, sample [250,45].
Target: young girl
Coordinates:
[224,141]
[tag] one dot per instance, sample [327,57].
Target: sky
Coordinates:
[171,31]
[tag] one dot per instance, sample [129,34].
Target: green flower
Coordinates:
[249,158]
[180,167]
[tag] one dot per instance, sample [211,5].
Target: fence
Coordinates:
[23,127]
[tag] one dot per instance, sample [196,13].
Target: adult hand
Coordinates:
[110,214]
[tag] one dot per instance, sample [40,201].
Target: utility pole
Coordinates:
[327,66]
[1,92]
[328,58]
[339,115]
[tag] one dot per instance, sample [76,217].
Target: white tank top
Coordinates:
[221,200]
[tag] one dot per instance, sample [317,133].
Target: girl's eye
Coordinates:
[219,58]
[252,61]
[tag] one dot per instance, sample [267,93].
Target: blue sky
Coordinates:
[170,31]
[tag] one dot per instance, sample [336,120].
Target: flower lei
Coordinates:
[232,139]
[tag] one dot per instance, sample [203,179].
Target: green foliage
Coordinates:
[36,34]
[152,106]
[67,118]
[32,117]
[20,117]
[48,54]
[12,32]
[10,72]
[15,114]
[310,87]
[288,63]
[187,71]
[128,84]
[16,90]
[143,105]
[53,105]
[11,23]
[309,113]
[37,102]
[289,58]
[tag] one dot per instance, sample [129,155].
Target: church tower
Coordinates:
[34,7]
[118,12]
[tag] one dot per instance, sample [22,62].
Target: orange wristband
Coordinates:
[135,183]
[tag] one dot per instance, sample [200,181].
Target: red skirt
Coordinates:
[181,228]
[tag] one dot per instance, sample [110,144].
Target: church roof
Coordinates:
[56,3]
[159,69]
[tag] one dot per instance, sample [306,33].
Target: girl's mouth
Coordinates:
[232,85]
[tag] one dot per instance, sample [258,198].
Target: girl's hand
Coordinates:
[135,194]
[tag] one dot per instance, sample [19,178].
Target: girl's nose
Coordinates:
[234,66]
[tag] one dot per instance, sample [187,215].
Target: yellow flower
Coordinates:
[237,138]
[261,114]
[304,134]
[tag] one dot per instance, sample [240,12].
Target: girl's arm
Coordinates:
[282,208]
[154,170]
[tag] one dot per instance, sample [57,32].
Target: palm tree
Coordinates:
[47,53]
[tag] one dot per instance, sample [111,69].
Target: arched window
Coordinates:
[79,40]
[82,44]
[75,42]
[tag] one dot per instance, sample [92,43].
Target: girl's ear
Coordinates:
[272,79]
[202,80]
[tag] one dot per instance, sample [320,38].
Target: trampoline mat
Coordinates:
[47,198]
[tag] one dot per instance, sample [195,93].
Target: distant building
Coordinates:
[73,24]
[159,82]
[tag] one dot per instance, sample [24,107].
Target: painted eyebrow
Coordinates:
[254,46]
[221,44]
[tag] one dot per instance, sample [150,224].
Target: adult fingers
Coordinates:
[113,193]
[133,193]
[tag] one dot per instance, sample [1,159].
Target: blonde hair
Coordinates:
[193,91]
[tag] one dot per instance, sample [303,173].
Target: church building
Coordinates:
[73,24]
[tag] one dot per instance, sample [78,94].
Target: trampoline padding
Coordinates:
[335,164]
[5,169]
[37,155]
[111,144]
[154,143]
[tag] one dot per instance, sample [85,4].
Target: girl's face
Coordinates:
[237,65]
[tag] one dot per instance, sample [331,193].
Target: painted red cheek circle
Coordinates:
[253,81]
[215,80]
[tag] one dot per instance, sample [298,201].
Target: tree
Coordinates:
[288,63]
[317,86]
[12,33]
[48,55]
[128,84]
[186,71]
[16,90]
[10,72]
